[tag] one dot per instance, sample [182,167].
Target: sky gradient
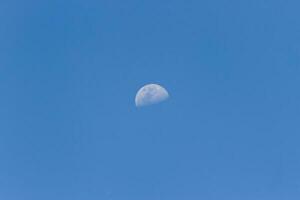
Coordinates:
[69,73]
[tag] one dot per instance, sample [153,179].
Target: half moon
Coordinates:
[151,94]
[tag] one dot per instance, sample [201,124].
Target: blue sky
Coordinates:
[69,72]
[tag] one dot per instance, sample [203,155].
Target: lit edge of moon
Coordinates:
[151,94]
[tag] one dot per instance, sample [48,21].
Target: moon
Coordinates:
[151,94]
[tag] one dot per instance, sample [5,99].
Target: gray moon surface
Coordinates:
[151,94]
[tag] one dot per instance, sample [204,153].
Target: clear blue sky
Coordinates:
[69,71]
